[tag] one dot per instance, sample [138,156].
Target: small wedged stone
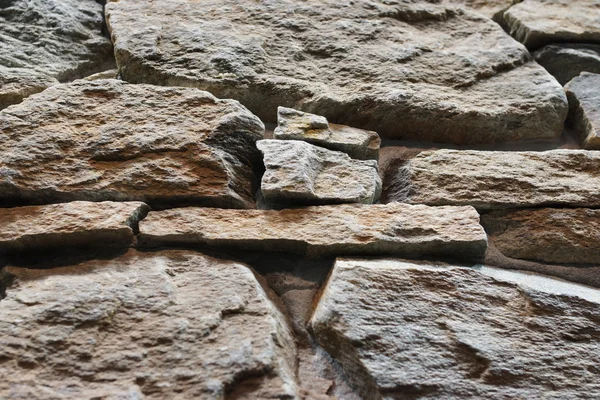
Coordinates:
[565,61]
[315,129]
[583,93]
[410,329]
[80,223]
[417,70]
[325,231]
[299,173]
[110,140]
[554,235]
[492,9]
[536,23]
[45,41]
[497,179]
[171,324]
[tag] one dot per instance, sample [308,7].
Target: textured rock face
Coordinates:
[536,23]
[584,102]
[558,235]
[413,70]
[297,125]
[47,40]
[301,173]
[326,230]
[70,224]
[497,179]
[108,140]
[405,329]
[567,60]
[165,325]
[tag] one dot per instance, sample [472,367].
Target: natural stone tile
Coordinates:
[172,324]
[110,140]
[325,231]
[584,102]
[565,61]
[439,331]
[297,125]
[497,179]
[423,70]
[80,223]
[555,235]
[45,41]
[536,23]
[301,173]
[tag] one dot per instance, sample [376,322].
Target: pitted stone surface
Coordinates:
[584,103]
[565,61]
[497,179]
[44,41]
[421,70]
[297,125]
[172,324]
[109,140]
[434,331]
[325,231]
[79,223]
[555,235]
[301,173]
[536,23]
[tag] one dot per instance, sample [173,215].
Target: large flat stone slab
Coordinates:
[583,93]
[403,329]
[45,41]
[325,231]
[555,235]
[536,23]
[301,173]
[565,61]
[298,125]
[110,140]
[172,324]
[410,70]
[497,179]
[80,223]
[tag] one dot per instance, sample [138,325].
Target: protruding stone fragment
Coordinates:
[556,235]
[325,231]
[45,41]
[536,23]
[297,125]
[79,223]
[301,173]
[497,179]
[421,70]
[584,102]
[565,61]
[490,8]
[109,140]
[173,324]
[403,329]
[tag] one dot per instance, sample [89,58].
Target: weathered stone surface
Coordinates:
[301,173]
[490,8]
[536,23]
[325,231]
[565,61]
[298,125]
[555,235]
[109,140]
[412,70]
[47,40]
[173,324]
[18,83]
[69,224]
[584,103]
[403,329]
[497,179]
